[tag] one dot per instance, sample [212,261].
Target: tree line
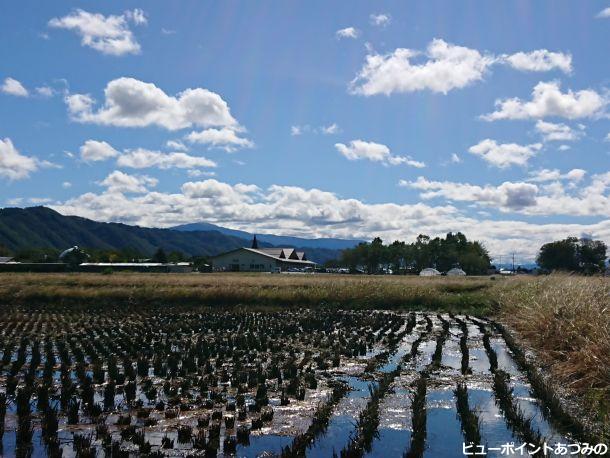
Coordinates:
[442,254]
[583,255]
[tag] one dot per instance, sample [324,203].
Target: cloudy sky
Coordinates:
[355,119]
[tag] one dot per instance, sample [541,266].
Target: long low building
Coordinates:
[261,260]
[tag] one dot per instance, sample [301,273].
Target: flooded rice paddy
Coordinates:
[181,382]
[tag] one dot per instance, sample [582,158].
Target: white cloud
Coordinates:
[540,60]
[296,130]
[330,129]
[505,154]
[225,138]
[133,103]
[548,100]
[137,16]
[564,147]
[348,32]
[455,159]
[13,87]
[119,182]
[109,35]
[447,67]
[605,13]
[296,211]
[13,164]
[528,198]
[380,20]
[176,145]
[507,196]
[45,91]
[66,185]
[93,151]
[607,139]
[375,152]
[556,132]
[544,175]
[142,158]
[196,173]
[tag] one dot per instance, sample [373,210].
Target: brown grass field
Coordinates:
[564,320]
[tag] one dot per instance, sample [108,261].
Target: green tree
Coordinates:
[160,256]
[559,255]
[74,257]
[592,255]
[585,255]
[453,251]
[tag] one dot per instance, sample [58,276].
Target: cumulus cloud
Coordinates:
[142,158]
[176,145]
[17,166]
[375,152]
[540,60]
[504,155]
[13,87]
[574,175]
[119,182]
[93,151]
[226,138]
[348,32]
[109,35]
[13,164]
[316,213]
[556,132]
[133,103]
[380,20]
[605,13]
[446,67]
[507,196]
[528,198]
[548,100]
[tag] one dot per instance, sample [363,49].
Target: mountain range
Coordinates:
[275,240]
[42,227]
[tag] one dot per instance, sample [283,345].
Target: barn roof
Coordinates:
[274,253]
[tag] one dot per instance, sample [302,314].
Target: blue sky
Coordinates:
[350,119]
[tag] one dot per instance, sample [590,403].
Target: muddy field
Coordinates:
[182,381]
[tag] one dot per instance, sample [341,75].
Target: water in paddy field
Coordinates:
[360,350]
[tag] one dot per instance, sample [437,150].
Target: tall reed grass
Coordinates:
[565,320]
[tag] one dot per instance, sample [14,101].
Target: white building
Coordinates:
[429,272]
[456,272]
[257,259]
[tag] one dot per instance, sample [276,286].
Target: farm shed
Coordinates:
[429,272]
[456,272]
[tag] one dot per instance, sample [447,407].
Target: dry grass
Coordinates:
[566,320]
[465,294]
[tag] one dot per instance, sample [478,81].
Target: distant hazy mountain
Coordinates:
[42,227]
[277,240]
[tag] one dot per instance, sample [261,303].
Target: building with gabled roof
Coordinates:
[257,259]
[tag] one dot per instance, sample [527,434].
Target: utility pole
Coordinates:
[513,262]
